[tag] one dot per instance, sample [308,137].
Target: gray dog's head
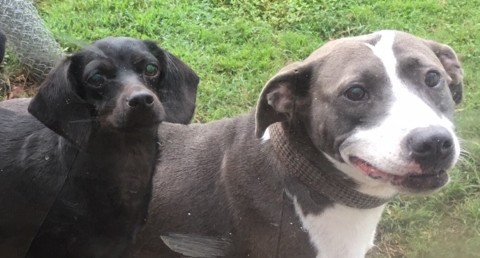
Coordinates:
[379,106]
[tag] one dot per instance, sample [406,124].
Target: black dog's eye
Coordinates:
[432,78]
[356,93]
[151,70]
[96,79]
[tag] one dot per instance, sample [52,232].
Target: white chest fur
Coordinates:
[341,231]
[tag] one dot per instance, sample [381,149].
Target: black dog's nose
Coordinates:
[430,144]
[140,99]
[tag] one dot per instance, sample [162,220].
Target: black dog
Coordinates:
[80,186]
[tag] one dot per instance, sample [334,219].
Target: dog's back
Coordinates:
[183,150]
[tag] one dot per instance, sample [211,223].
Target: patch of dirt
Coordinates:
[16,86]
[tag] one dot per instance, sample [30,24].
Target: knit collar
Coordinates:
[329,181]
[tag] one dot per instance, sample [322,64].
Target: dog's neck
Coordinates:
[321,177]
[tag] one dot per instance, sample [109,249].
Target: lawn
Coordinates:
[236,46]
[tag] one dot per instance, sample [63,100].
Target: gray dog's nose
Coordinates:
[430,145]
[140,99]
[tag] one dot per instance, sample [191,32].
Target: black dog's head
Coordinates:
[118,83]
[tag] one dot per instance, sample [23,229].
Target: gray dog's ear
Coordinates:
[59,108]
[178,87]
[449,60]
[282,96]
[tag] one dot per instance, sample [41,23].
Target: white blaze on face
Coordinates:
[381,145]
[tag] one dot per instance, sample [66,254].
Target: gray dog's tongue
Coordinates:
[192,245]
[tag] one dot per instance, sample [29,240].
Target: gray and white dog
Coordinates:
[333,139]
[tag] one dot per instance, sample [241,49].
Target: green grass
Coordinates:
[236,46]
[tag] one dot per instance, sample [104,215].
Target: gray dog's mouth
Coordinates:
[423,182]
[416,180]
[370,170]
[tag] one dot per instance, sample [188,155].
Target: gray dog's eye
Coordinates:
[96,79]
[151,70]
[356,93]
[432,78]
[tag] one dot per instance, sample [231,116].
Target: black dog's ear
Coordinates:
[449,60]
[178,88]
[59,108]
[282,96]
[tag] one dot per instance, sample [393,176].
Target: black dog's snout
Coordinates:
[141,108]
[430,145]
[140,99]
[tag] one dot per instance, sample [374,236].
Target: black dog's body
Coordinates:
[80,188]
[104,199]
[33,171]
[95,210]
